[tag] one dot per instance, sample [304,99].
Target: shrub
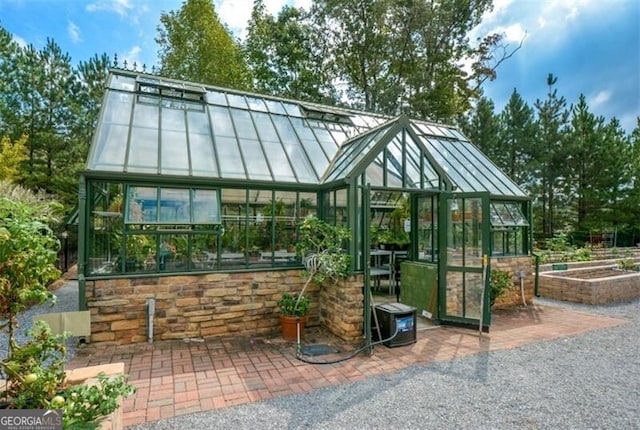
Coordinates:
[500,282]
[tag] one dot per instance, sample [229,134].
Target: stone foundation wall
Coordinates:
[513,297]
[194,306]
[342,308]
[558,286]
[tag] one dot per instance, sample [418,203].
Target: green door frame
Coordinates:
[466,276]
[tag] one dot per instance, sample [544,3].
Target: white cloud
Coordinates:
[513,32]
[121,7]
[131,56]
[600,99]
[236,13]
[74,32]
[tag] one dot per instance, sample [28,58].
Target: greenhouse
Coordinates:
[192,196]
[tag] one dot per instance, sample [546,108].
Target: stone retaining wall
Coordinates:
[219,304]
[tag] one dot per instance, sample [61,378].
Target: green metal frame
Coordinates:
[444,267]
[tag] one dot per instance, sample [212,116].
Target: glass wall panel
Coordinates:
[472,294]
[428,228]
[175,207]
[473,232]
[206,209]
[105,220]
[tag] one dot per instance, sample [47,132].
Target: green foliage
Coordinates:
[294,305]
[395,55]
[321,246]
[35,370]
[196,46]
[582,254]
[558,243]
[500,282]
[282,53]
[37,380]
[85,405]
[12,154]
[626,264]
[28,250]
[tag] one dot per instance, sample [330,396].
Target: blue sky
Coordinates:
[592,46]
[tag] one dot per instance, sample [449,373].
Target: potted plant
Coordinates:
[293,308]
[321,249]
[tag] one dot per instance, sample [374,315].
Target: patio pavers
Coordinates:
[181,377]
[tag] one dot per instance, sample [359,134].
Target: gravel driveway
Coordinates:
[591,381]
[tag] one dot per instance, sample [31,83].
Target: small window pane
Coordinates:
[206,209]
[174,206]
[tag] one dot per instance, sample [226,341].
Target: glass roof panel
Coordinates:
[243,124]
[337,133]
[106,155]
[217,98]
[275,106]
[292,146]
[256,104]
[119,82]
[314,150]
[232,166]
[236,101]
[143,149]
[254,160]
[443,156]
[326,140]
[109,149]
[351,153]
[488,173]
[174,157]
[271,139]
[201,145]
[278,161]
[293,110]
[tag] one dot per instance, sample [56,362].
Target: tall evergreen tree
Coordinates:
[196,46]
[517,137]
[584,151]
[483,129]
[550,159]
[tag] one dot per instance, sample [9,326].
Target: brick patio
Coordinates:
[179,377]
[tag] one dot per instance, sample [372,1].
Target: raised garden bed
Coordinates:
[591,285]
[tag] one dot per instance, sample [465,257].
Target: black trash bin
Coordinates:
[396,315]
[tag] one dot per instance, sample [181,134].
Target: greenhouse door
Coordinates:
[463,259]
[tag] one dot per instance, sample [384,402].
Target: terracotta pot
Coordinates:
[289,329]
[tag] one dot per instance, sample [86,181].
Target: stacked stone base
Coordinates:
[215,305]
